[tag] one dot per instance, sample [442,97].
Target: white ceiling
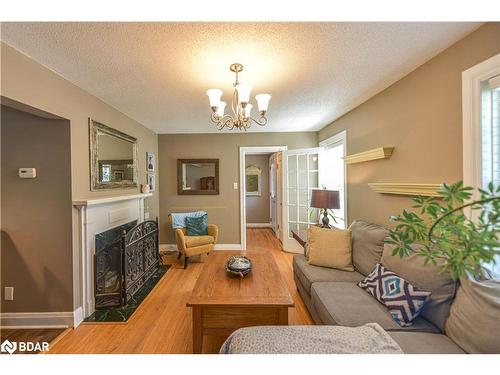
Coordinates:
[157,73]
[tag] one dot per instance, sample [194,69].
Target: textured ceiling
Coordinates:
[157,73]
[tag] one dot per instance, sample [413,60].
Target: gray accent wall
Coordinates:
[36,239]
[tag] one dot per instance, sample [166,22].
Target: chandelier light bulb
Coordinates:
[214,96]
[244,91]
[220,109]
[263,101]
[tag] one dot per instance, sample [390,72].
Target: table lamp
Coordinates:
[325,199]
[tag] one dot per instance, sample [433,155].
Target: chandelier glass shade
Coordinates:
[240,104]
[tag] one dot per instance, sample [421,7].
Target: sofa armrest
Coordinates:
[213,231]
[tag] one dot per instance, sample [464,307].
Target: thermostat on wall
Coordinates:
[27,172]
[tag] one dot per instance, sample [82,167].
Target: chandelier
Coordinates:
[241,118]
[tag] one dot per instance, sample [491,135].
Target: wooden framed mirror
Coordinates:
[113,158]
[198,176]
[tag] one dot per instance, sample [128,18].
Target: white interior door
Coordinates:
[300,176]
[279,195]
[272,192]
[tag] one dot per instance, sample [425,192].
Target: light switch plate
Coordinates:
[9,293]
[235,185]
[146,215]
[27,172]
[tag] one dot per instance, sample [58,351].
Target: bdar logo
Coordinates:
[8,347]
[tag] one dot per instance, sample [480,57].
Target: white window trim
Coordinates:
[471,121]
[340,137]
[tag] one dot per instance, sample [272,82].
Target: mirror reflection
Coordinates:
[198,176]
[113,158]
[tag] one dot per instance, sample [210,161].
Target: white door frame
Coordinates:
[471,121]
[340,137]
[243,152]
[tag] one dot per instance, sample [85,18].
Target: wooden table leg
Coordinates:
[283,316]
[197,332]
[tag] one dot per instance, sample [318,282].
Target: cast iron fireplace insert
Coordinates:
[125,258]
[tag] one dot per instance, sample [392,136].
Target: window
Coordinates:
[490,131]
[332,172]
[481,129]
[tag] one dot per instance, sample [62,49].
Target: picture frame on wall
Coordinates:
[253,181]
[150,162]
[151,182]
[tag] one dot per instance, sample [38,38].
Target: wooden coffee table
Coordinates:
[221,303]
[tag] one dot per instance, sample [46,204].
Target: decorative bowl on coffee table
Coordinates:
[239,265]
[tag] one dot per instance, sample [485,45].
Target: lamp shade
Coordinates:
[244,91]
[214,96]
[322,198]
[220,109]
[263,101]
[247,111]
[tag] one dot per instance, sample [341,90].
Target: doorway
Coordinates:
[260,189]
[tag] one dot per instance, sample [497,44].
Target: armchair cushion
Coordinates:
[194,241]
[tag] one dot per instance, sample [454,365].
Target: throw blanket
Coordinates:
[367,339]
[179,219]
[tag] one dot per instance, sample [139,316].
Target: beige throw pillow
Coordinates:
[330,248]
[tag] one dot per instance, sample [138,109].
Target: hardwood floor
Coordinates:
[162,324]
[31,335]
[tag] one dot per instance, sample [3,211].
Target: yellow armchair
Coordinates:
[195,245]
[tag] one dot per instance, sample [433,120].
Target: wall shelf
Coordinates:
[376,153]
[429,190]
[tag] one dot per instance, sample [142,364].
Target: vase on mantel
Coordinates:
[145,189]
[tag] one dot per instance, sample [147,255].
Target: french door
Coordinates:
[300,176]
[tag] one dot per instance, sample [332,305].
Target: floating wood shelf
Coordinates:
[376,153]
[429,190]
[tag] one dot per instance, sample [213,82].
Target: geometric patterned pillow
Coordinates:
[403,300]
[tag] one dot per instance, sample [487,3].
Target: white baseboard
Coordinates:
[37,320]
[77,317]
[259,225]
[219,246]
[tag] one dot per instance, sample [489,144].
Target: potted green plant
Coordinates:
[462,234]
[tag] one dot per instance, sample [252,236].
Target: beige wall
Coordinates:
[257,207]
[421,115]
[223,209]
[28,82]
[36,253]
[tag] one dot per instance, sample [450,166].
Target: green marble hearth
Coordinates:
[122,314]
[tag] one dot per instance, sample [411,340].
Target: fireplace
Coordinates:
[125,258]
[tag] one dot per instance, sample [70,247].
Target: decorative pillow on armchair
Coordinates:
[197,226]
[403,300]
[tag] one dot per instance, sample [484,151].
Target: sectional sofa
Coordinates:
[449,323]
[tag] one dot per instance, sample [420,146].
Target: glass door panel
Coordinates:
[302,175]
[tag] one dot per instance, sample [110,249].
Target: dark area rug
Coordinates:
[122,314]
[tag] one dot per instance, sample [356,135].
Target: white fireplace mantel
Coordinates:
[96,215]
[98,201]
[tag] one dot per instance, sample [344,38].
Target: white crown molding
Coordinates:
[374,154]
[25,320]
[429,190]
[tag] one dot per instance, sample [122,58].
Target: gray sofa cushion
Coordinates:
[425,343]
[427,277]
[474,321]
[367,245]
[308,274]
[345,304]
